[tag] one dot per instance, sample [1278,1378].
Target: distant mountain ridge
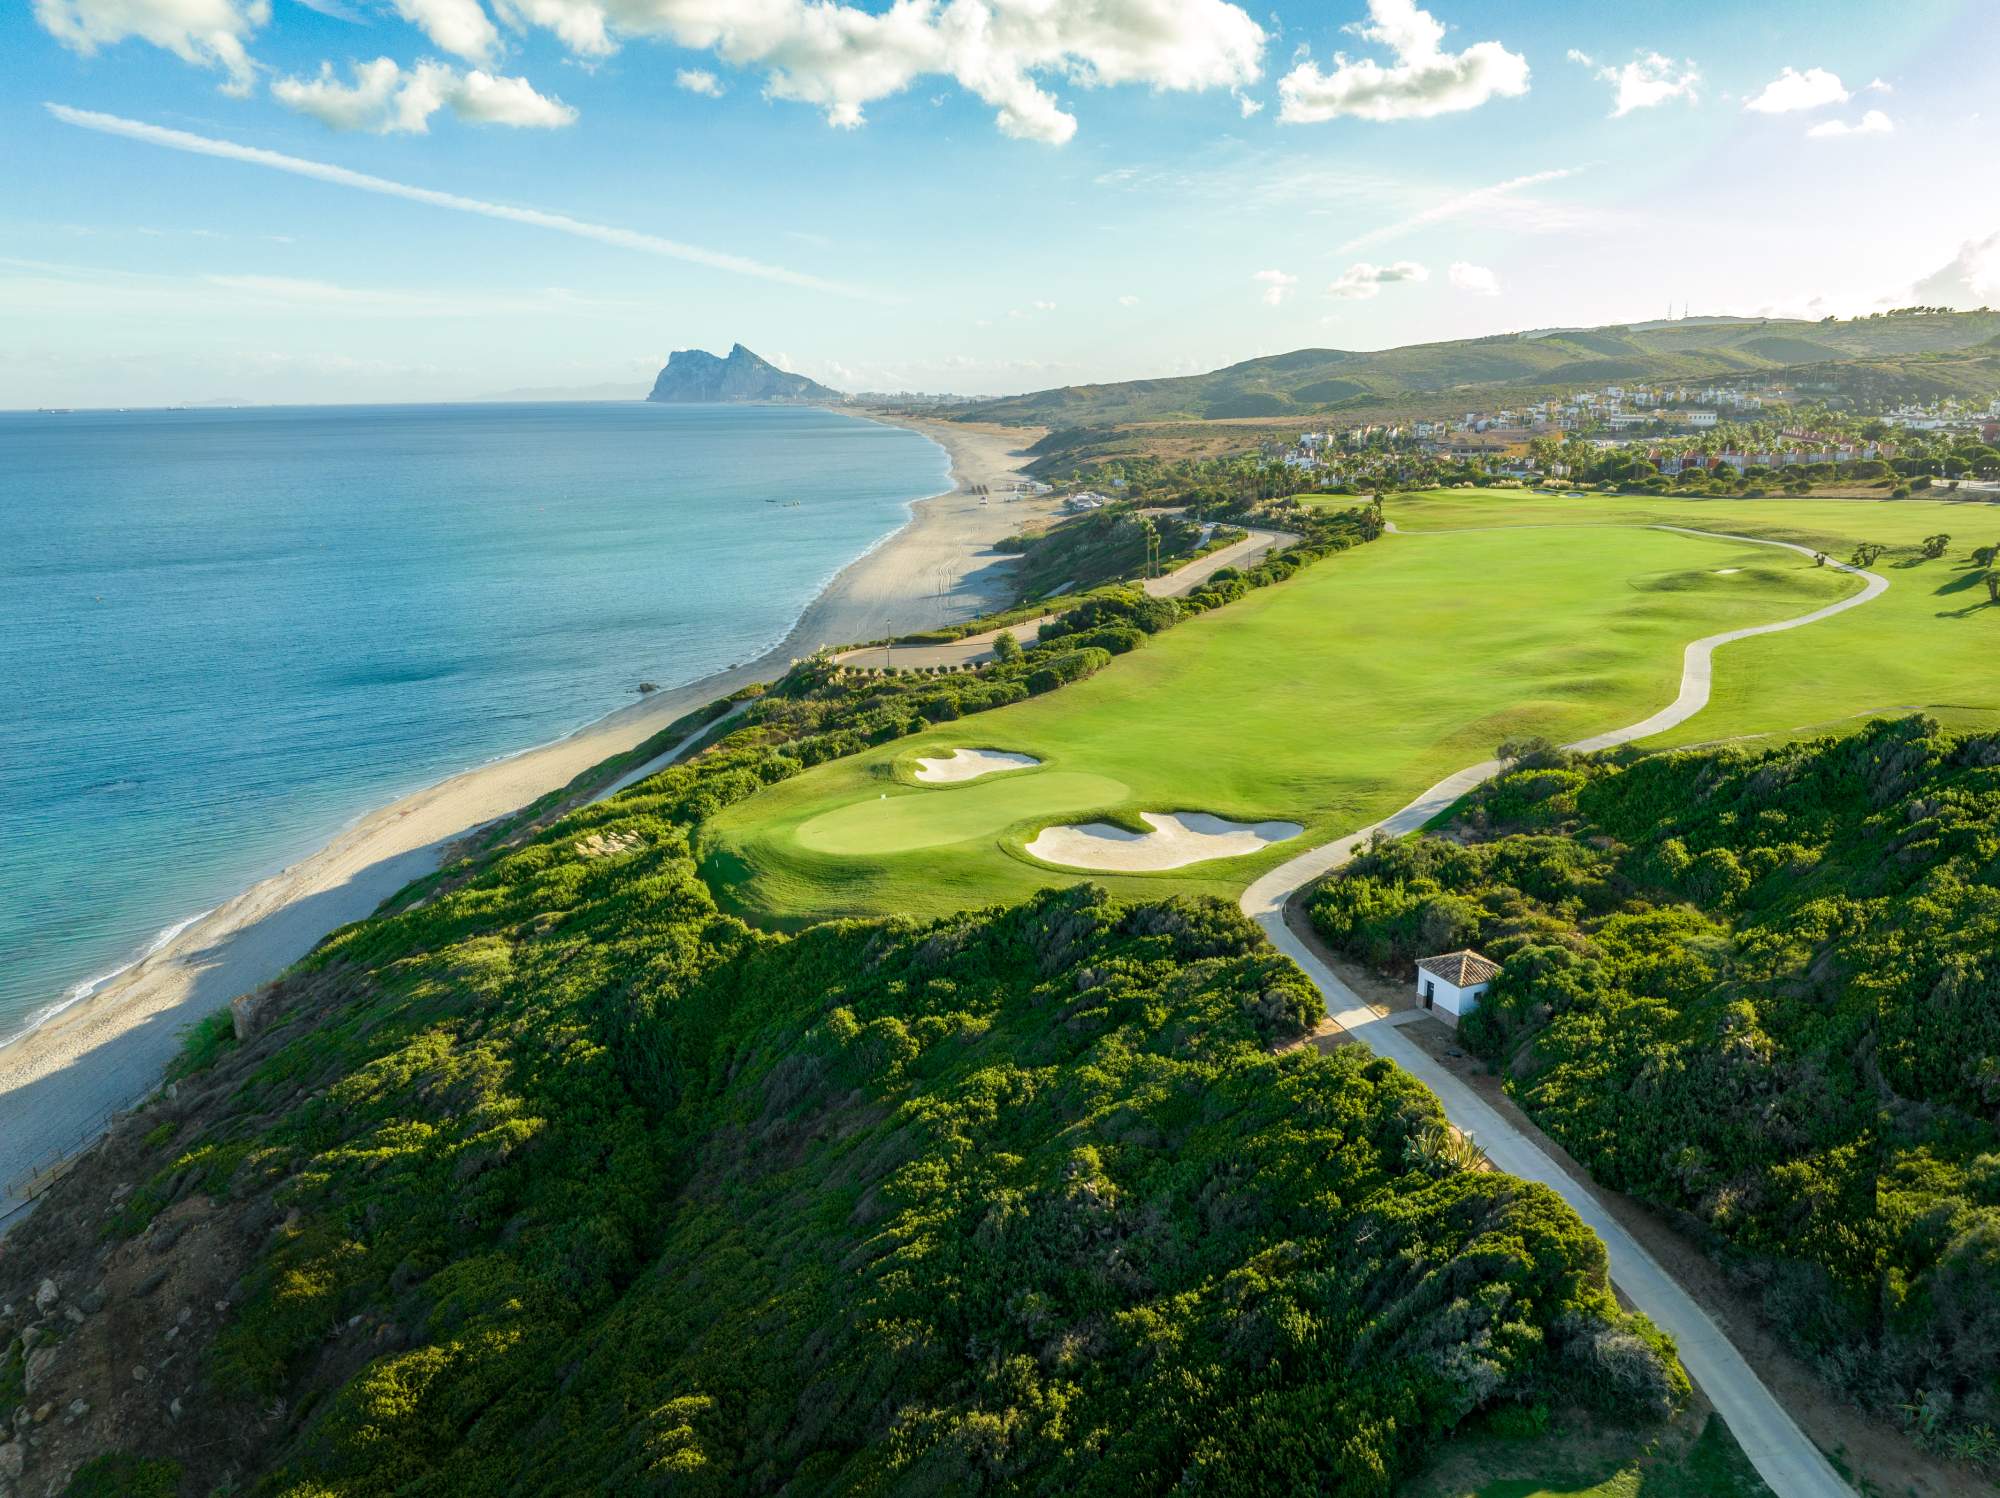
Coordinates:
[1314,380]
[696,375]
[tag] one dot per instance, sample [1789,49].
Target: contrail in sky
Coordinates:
[1498,195]
[562,223]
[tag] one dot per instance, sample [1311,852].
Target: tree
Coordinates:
[1819,559]
[1993,586]
[1866,554]
[1006,649]
[1934,545]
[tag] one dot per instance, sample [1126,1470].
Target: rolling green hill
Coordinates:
[1311,380]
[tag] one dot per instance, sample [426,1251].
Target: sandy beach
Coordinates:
[59,1082]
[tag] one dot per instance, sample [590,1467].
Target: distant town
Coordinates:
[1664,429]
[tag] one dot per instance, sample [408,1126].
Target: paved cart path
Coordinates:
[1780,1451]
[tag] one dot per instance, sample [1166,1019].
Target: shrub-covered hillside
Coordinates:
[559,1181]
[1761,988]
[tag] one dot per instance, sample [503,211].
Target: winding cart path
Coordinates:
[1782,1454]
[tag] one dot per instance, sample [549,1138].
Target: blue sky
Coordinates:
[974,195]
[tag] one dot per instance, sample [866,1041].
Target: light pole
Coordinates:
[889,625]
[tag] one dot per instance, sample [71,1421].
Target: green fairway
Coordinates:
[951,814]
[1327,700]
[1931,643]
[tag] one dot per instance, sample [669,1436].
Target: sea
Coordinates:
[226,634]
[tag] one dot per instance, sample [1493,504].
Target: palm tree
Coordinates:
[1438,1149]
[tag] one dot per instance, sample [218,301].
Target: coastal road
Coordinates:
[666,756]
[1782,1454]
[977,649]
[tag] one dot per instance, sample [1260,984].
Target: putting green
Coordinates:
[1327,700]
[901,820]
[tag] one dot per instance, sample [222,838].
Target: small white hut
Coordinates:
[1451,984]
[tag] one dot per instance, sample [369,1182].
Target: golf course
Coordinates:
[1330,699]
[1928,644]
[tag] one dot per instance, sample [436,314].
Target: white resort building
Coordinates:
[1451,984]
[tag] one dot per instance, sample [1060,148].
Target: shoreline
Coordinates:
[103,1050]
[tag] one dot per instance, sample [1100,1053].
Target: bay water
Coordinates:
[226,634]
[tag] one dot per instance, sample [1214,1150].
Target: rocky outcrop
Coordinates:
[695,375]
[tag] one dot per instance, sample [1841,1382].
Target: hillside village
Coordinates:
[1671,428]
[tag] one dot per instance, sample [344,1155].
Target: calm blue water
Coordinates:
[225,634]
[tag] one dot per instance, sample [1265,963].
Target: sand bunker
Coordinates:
[970,764]
[1177,838]
[1726,571]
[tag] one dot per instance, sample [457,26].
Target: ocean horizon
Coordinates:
[225,634]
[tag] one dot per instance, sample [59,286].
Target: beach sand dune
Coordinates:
[59,1083]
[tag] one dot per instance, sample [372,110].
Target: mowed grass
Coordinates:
[1931,643]
[1328,700]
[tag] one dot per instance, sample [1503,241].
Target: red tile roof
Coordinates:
[1461,969]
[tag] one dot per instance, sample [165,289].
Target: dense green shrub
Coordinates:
[1052,671]
[1761,988]
[1115,639]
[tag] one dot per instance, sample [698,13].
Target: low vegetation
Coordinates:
[564,1180]
[1758,989]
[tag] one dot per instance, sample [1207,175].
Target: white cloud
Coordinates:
[1971,279]
[1360,281]
[1476,279]
[1874,122]
[1649,80]
[1582,57]
[1424,80]
[1501,197]
[384,99]
[1277,286]
[208,33]
[838,55]
[1249,107]
[1792,90]
[460,27]
[841,57]
[699,81]
[486,100]
[1128,301]
[1878,86]
[1045,306]
[561,223]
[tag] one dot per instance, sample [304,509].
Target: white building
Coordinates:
[1451,984]
[1699,418]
